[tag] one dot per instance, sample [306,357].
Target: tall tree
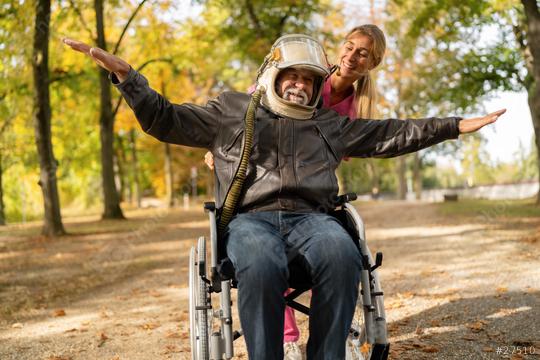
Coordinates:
[532,30]
[42,121]
[111,197]
[111,200]
[2,208]
[135,167]
[3,128]
[168,159]
[468,69]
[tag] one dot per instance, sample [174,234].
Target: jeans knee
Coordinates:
[262,272]
[340,260]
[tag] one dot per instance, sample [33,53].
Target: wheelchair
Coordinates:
[368,334]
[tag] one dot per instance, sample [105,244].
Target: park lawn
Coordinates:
[490,209]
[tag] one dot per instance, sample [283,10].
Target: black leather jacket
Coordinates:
[293,162]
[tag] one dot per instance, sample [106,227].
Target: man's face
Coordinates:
[295,85]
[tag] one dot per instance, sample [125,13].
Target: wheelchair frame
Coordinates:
[368,334]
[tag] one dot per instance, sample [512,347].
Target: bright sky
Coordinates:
[515,126]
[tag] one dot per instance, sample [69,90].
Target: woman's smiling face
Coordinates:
[354,56]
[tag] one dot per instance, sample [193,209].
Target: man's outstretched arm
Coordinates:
[392,137]
[185,124]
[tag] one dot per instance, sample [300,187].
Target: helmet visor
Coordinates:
[300,51]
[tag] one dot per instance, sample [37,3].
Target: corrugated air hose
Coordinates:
[231,199]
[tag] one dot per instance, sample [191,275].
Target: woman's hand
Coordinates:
[209,160]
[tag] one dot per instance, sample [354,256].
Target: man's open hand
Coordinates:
[475,124]
[107,61]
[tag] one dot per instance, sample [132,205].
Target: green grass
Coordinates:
[491,208]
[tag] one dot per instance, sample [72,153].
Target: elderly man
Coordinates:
[289,186]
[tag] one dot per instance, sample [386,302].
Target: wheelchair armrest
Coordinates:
[210,206]
[345,198]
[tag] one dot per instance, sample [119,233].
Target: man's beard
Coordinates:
[299,96]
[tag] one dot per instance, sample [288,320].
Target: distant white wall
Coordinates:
[491,192]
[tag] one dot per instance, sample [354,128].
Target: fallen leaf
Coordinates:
[105,314]
[70,330]
[102,339]
[524,343]
[365,348]
[487,349]
[477,326]
[155,293]
[171,349]
[396,304]
[173,335]
[435,323]
[406,295]
[150,326]
[502,289]
[17,326]
[469,337]
[430,349]
[59,312]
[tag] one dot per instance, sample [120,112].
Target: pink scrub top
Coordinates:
[344,108]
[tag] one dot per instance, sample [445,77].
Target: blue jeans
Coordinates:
[260,246]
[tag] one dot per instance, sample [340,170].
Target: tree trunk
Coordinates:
[373,173]
[120,157]
[168,175]
[168,161]
[402,179]
[42,121]
[118,177]
[134,167]
[2,211]
[111,201]
[533,39]
[417,176]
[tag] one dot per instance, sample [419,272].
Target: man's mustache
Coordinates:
[298,93]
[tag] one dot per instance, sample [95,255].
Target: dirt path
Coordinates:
[456,287]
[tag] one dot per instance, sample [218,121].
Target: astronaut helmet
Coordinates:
[294,51]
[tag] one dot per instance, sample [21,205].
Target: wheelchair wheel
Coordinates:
[357,345]
[198,300]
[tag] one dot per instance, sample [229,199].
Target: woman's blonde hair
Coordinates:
[365,94]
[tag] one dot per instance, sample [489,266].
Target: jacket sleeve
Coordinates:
[185,124]
[393,137]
